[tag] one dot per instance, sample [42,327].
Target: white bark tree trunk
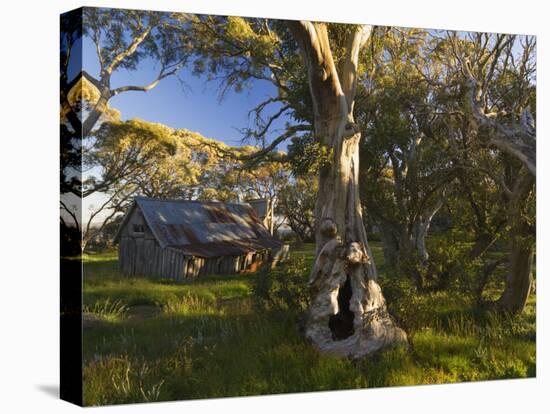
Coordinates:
[421,228]
[348,315]
[270,215]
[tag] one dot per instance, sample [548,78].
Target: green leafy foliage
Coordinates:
[284,288]
[307,156]
[297,203]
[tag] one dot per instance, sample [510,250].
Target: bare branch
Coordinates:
[145,88]
[71,214]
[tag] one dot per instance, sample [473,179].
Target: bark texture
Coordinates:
[348,315]
[519,280]
[520,277]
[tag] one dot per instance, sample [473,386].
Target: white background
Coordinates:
[29,136]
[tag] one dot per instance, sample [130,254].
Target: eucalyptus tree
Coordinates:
[265,181]
[358,322]
[501,91]
[123,40]
[297,205]
[129,150]
[406,172]
[494,76]
[315,69]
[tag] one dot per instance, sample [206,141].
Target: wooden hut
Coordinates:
[180,239]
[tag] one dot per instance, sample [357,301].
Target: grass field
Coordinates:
[151,340]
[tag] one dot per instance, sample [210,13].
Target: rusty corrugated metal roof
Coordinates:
[205,228]
[236,247]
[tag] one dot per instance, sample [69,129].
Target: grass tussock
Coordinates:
[107,309]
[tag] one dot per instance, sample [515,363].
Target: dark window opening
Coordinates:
[341,324]
[139,228]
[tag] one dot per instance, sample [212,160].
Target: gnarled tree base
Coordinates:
[348,314]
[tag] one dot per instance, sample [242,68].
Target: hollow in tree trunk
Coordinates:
[348,314]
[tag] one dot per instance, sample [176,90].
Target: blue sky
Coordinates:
[196,107]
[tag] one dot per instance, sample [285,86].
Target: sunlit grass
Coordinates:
[205,339]
[107,309]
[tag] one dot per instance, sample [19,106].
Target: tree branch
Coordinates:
[355,41]
[130,50]
[146,88]
[71,214]
[518,141]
